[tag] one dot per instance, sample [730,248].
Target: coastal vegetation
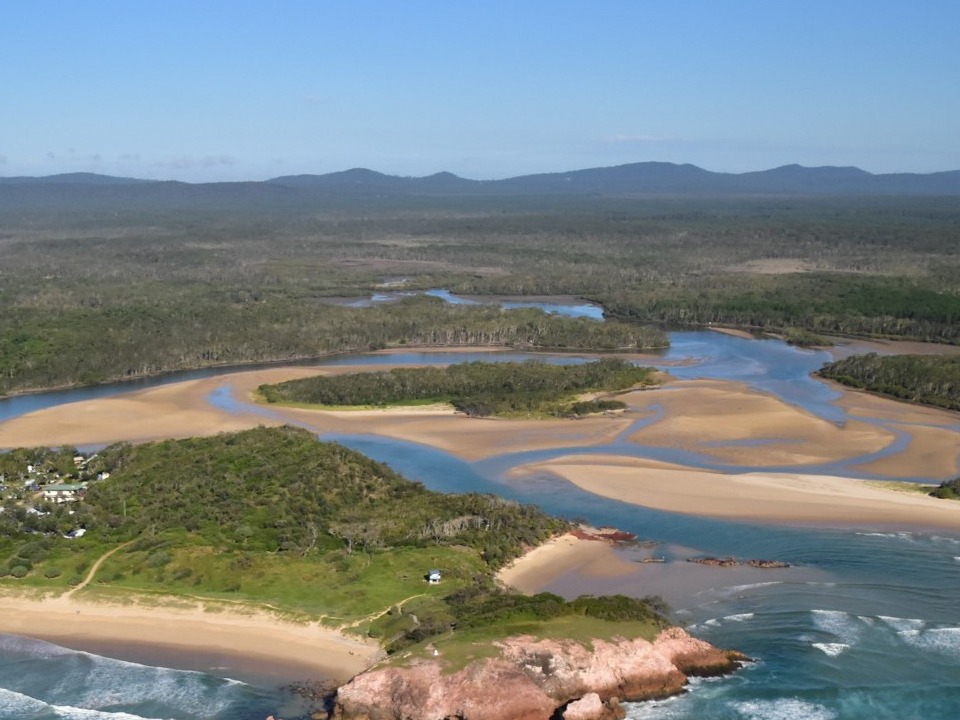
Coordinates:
[927,379]
[274,519]
[475,388]
[948,490]
[110,285]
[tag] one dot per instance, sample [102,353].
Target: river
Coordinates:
[864,625]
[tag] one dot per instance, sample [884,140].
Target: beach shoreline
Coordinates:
[242,646]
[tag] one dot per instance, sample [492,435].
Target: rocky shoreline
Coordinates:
[534,679]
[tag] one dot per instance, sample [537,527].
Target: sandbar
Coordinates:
[787,498]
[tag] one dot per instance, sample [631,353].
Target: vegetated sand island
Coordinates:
[713,418]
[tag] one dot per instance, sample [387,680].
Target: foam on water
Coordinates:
[42,680]
[841,625]
[831,649]
[782,709]
[19,705]
[74,713]
[903,624]
[940,640]
[735,589]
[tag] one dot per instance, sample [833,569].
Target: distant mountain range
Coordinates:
[635,179]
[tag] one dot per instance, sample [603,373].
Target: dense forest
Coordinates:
[109,286]
[927,379]
[275,518]
[476,388]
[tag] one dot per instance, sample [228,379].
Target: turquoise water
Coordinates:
[864,625]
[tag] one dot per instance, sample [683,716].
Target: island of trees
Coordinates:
[927,379]
[474,388]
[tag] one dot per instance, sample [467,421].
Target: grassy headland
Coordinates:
[475,388]
[273,520]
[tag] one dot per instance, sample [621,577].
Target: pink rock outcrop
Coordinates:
[534,679]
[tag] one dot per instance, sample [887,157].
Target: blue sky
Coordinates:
[233,90]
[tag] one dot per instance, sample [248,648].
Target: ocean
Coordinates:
[863,625]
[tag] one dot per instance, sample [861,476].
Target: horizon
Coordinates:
[239,91]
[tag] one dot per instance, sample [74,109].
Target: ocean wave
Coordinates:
[740,617]
[35,649]
[942,640]
[893,535]
[782,709]
[840,624]
[752,586]
[902,624]
[18,705]
[831,649]
[68,712]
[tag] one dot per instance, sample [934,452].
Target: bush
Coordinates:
[51,573]
[159,558]
[19,571]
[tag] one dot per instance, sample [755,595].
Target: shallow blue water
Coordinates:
[865,625]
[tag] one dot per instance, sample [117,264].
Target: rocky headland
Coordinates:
[535,679]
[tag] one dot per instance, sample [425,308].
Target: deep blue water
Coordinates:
[865,625]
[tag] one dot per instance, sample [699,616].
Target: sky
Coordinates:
[223,90]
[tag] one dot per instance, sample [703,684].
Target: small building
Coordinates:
[64,492]
[433,577]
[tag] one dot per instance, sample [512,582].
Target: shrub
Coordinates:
[19,571]
[51,573]
[159,558]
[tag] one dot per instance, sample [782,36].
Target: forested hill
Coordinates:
[643,178]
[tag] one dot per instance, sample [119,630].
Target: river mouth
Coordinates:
[865,616]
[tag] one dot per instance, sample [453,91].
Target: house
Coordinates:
[433,577]
[63,492]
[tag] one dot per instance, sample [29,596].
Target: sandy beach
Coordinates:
[299,651]
[564,555]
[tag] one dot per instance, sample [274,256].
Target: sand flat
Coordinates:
[735,424]
[792,498]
